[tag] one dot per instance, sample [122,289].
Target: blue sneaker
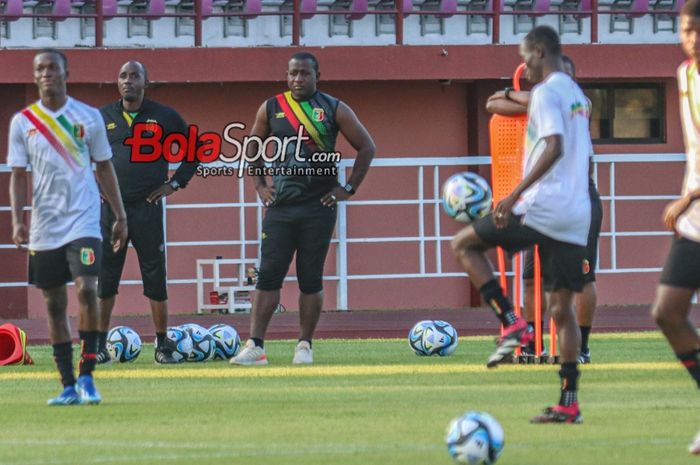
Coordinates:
[69,396]
[87,390]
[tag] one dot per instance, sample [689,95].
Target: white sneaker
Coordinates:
[250,355]
[694,447]
[303,355]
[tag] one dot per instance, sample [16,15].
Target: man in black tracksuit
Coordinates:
[142,185]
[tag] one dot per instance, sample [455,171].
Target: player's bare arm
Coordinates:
[110,189]
[676,208]
[359,138]
[18,199]
[261,128]
[550,155]
[514,104]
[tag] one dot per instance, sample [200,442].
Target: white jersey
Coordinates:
[60,146]
[688,224]
[558,205]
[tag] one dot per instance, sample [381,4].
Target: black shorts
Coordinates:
[145,223]
[306,229]
[591,259]
[49,269]
[682,268]
[561,261]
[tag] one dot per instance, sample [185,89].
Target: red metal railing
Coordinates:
[496,14]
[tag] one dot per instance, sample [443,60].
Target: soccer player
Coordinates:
[143,185]
[680,277]
[60,137]
[301,209]
[510,102]
[549,207]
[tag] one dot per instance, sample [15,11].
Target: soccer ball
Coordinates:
[226,341]
[415,336]
[123,344]
[466,197]
[182,342]
[430,337]
[203,345]
[441,339]
[475,438]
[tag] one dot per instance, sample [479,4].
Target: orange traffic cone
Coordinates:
[13,346]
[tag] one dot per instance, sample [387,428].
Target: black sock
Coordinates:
[493,295]
[63,355]
[88,352]
[585,332]
[102,341]
[160,339]
[307,340]
[690,362]
[258,342]
[569,380]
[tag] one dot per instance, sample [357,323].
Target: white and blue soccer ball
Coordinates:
[430,337]
[442,339]
[203,345]
[226,340]
[181,341]
[415,336]
[475,438]
[123,344]
[466,197]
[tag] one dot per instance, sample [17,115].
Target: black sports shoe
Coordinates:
[164,353]
[103,357]
[584,356]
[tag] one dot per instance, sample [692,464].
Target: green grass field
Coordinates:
[369,402]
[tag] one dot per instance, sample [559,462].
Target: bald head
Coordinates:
[132,82]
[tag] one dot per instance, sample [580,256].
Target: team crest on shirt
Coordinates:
[586,266]
[79,131]
[280,115]
[87,256]
[111,126]
[32,132]
[318,114]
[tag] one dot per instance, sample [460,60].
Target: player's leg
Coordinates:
[108,282]
[148,238]
[278,244]
[563,277]
[314,237]
[586,302]
[587,299]
[84,259]
[529,301]
[49,271]
[679,280]
[470,246]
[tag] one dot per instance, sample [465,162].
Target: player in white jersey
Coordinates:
[60,137]
[680,278]
[549,207]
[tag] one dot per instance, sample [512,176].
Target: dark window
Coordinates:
[627,113]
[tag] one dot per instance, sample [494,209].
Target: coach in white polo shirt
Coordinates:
[550,207]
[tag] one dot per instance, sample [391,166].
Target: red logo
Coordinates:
[586,266]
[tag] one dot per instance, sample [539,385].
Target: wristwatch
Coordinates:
[349,189]
[507,92]
[174,185]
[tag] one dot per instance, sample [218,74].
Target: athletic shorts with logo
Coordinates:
[561,261]
[591,259]
[49,269]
